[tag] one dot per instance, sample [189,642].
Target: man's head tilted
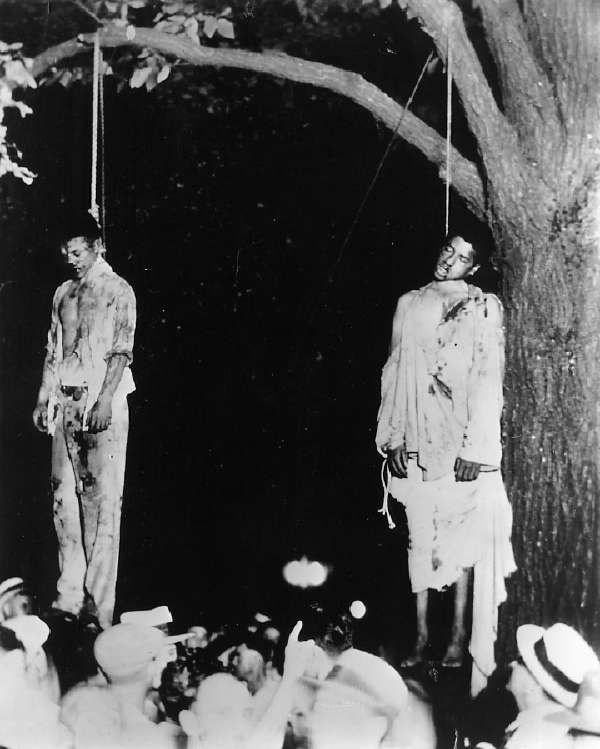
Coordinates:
[81,243]
[456,261]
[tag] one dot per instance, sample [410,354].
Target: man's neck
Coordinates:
[449,288]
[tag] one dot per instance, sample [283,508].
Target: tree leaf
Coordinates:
[15,71]
[139,77]
[164,74]
[210,26]
[225,28]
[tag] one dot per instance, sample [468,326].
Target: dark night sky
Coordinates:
[252,429]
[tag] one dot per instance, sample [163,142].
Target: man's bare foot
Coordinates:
[417,655]
[455,654]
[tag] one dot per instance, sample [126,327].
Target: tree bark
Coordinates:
[552,422]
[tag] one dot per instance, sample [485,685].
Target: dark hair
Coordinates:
[330,629]
[79,224]
[9,640]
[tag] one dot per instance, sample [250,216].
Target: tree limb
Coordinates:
[527,95]
[466,179]
[506,170]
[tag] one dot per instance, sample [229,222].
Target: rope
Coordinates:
[448,176]
[102,158]
[321,298]
[381,162]
[94,170]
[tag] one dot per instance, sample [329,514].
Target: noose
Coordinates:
[98,212]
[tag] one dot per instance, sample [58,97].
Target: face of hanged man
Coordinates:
[80,254]
[456,261]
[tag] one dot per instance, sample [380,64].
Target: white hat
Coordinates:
[585,716]
[125,649]
[30,630]
[150,617]
[558,658]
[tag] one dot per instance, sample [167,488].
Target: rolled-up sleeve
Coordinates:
[123,323]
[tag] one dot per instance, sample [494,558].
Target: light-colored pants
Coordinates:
[88,472]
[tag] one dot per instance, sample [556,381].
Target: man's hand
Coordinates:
[397,460]
[100,415]
[297,654]
[465,470]
[40,417]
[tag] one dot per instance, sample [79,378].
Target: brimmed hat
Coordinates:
[558,658]
[151,617]
[585,716]
[126,649]
[30,630]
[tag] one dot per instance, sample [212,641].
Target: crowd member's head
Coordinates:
[552,665]
[330,627]
[220,714]
[132,654]
[12,659]
[28,719]
[15,600]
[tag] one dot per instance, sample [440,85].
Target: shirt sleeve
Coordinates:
[52,342]
[391,416]
[482,439]
[124,323]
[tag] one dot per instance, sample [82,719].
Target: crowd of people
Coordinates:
[65,683]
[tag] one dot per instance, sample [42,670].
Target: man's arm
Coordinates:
[40,412]
[268,733]
[398,456]
[101,412]
[119,356]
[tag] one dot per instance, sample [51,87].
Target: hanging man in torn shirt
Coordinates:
[439,428]
[83,403]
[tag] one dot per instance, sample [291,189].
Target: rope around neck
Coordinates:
[448,175]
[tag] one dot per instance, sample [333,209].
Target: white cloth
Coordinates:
[441,397]
[441,388]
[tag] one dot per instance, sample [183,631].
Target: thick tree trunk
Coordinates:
[552,417]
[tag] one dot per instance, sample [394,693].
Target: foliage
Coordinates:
[15,74]
[274,24]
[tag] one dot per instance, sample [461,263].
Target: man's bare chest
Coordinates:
[80,305]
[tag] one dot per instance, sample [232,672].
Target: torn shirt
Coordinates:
[441,389]
[106,318]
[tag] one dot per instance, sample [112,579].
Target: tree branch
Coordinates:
[466,179]
[505,168]
[527,95]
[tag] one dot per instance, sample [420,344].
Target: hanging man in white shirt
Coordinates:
[82,402]
[439,427]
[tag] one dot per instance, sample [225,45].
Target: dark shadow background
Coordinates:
[252,429]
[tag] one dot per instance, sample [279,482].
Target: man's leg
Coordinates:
[67,522]
[456,649]
[422,630]
[101,507]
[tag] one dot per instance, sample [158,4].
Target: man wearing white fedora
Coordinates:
[552,666]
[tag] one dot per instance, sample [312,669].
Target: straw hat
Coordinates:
[558,658]
[585,716]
